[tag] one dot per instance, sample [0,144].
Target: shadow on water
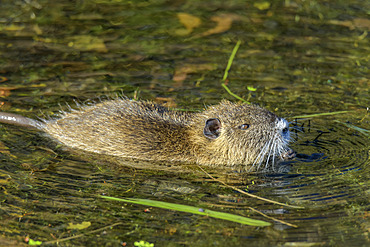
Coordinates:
[296,58]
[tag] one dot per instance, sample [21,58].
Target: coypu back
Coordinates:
[134,129]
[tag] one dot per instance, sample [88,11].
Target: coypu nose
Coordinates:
[282,125]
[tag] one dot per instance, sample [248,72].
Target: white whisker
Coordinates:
[272,151]
[262,154]
[269,151]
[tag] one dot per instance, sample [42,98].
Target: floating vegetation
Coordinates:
[193,210]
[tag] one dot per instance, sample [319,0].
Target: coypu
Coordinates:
[226,134]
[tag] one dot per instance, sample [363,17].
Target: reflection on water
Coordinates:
[296,58]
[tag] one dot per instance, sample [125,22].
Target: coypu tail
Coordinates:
[14,119]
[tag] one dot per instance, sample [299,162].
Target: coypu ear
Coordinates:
[212,128]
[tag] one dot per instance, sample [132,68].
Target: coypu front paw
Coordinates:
[288,155]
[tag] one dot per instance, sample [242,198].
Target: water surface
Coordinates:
[296,58]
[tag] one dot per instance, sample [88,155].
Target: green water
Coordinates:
[302,57]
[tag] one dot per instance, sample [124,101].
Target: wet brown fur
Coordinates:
[144,130]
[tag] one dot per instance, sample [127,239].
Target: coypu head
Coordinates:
[241,134]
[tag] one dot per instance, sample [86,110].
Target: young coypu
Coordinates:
[226,134]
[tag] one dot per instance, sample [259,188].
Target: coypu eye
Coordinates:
[244,126]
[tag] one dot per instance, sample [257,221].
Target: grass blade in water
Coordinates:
[193,210]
